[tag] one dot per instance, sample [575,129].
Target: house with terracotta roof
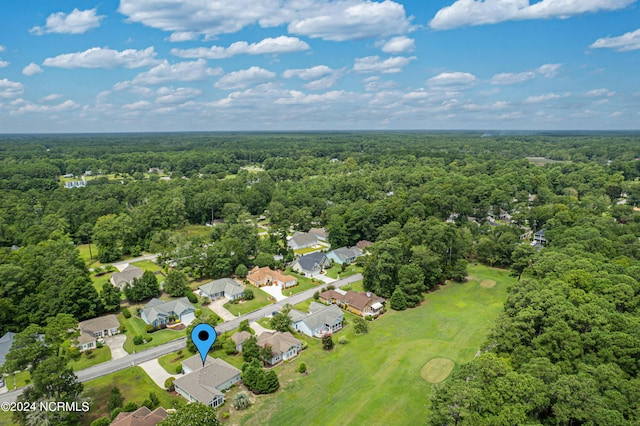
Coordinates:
[360,303]
[141,417]
[320,320]
[267,276]
[283,345]
[206,383]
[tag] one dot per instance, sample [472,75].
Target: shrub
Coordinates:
[206,301]
[126,312]
[305,345]
[225,415]
[73,352]
[369,318]
[102,421]
[114,413]
[115,399]
[198,313]
[248,294]
[343,340]
[148,339]
[149,328]
[302,368]
[137,340]
[88,353]
[241,401]
[122,328]
[327,342]
[179,369]
[191,296]
[316,295]
[99,345]
[129,407]
[168,384]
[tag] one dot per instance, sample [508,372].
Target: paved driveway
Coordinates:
[116,345]
[156,372]
[217,306]
[275,291]
[258,328]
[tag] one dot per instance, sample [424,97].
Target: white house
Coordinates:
[158,312]
[225,287]
[206,383]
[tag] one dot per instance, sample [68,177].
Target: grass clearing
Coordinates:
[260,299]
[137,327]
[304,283]
[376,377]
[436,370]
[134,384]
[336,270]
[97,356]
[488,283]
[170,362]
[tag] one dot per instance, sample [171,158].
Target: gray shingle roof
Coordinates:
[127,275]
[223,285]
[202,383]
[157,308]
[304,238]
[5,345]
[309,261]
[344,253]
[106,322]
[280,342]
[329,315]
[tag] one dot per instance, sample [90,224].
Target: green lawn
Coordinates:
[336,270]
[303,306]
[148,265]
[356,286]
[20,379]
[304,283]
[261,299]
[265,322]
[135,326]
[171,361]
[134,384]
[376,377]
[97,356]
[98,281]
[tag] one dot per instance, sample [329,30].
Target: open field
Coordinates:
[541,161]
[376,377]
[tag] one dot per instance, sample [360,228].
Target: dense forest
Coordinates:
[566,350]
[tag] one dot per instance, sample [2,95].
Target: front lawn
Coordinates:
[336,270]
[265,322]
[20,379]
[97,356]
[148,265]
[98,281]
[171,361]
[376,378]
[134,384]
[304,283]
[137,327]
[260,299]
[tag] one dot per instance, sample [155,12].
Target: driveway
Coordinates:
[156,372]
[217,306]
[116,345]
[258,328]
[274,291]
[324,278]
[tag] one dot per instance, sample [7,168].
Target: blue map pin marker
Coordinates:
[203,336]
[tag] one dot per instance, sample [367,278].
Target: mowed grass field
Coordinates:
[376,378]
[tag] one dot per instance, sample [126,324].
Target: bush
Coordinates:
[248,294]
[305,345]
[179,369]
[148,339]
[327,342]
[316,295]
[369,318]
[191,296]
[126,312]
[137,340]
[302,368]
[225,414]
[168,384]
[129,407]
[88,353]
[241,401]
[198,313]
[205,301]
[343,340]
[115,399]
[74,352]
[102,421]
[149,328]
[122,328]
[114,413]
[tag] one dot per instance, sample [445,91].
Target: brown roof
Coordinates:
[363,244]
[240,337]
[319,232]
[265,273]
[352,298]
[106,322]
[141,417]
[280,342]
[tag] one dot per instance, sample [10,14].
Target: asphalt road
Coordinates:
[156,352]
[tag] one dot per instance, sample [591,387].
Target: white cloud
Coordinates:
[244,78]
[545,97]
[167,95]
[136,105]
[76,22]
[183,36]
[452,79]
[328,19]
[312,73]
[164,72]
[299,98]
[99,57]
[391,65]
[598,93]
[397,45]
[29,107]
[282,44]
[2,48]
[623,43]
[3,63]
[506,78]
[475,12]
[51,97]
[324,83]
[10,89]
[31,69]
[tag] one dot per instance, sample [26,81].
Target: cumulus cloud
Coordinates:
[164,72]
[476,12]
[29,107]
[452,79]
[624,43]
[599,93]
[299,98]
[323,77]
[506,78]
[10,89]
[103,57]
[330,20]
[243,78]
[397,45]
[31,69]
[545,97]
[282,44]
[3,63]
[76,22]
[391,65]
[183,36]
[168,95]
[136,105]
[51,97]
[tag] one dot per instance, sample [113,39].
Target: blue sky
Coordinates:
[192,65]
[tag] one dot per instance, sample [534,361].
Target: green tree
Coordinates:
[244,326]
[250,349]
[360,326]
[28,349]
[115,399]
[241,271]
[398,300]
[264,259]
[241,401]
[176,283]
[191,414]
[281,321]
[110,296]
[327,342]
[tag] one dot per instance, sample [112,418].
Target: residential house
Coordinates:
[126,276]
[302,240]
[283,345]
[225,287]
[96,328]
[320,233]
[5,346]
[266,276]
[206,383]
[344,255]
[239,338]
[158,313]
[539,238]
[141,417]
[320,320]
[311,264]
[504,215]
[363,245]
[76,183]
[360,303]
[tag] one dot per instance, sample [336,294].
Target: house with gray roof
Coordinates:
[126,276]
[311,264]
[96,328]
[205,384]
[225,287]
[283,345]
[320,320]
[344,255]
[320,233]
[239,338]
[158,312]
[301,240]
[5,345]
